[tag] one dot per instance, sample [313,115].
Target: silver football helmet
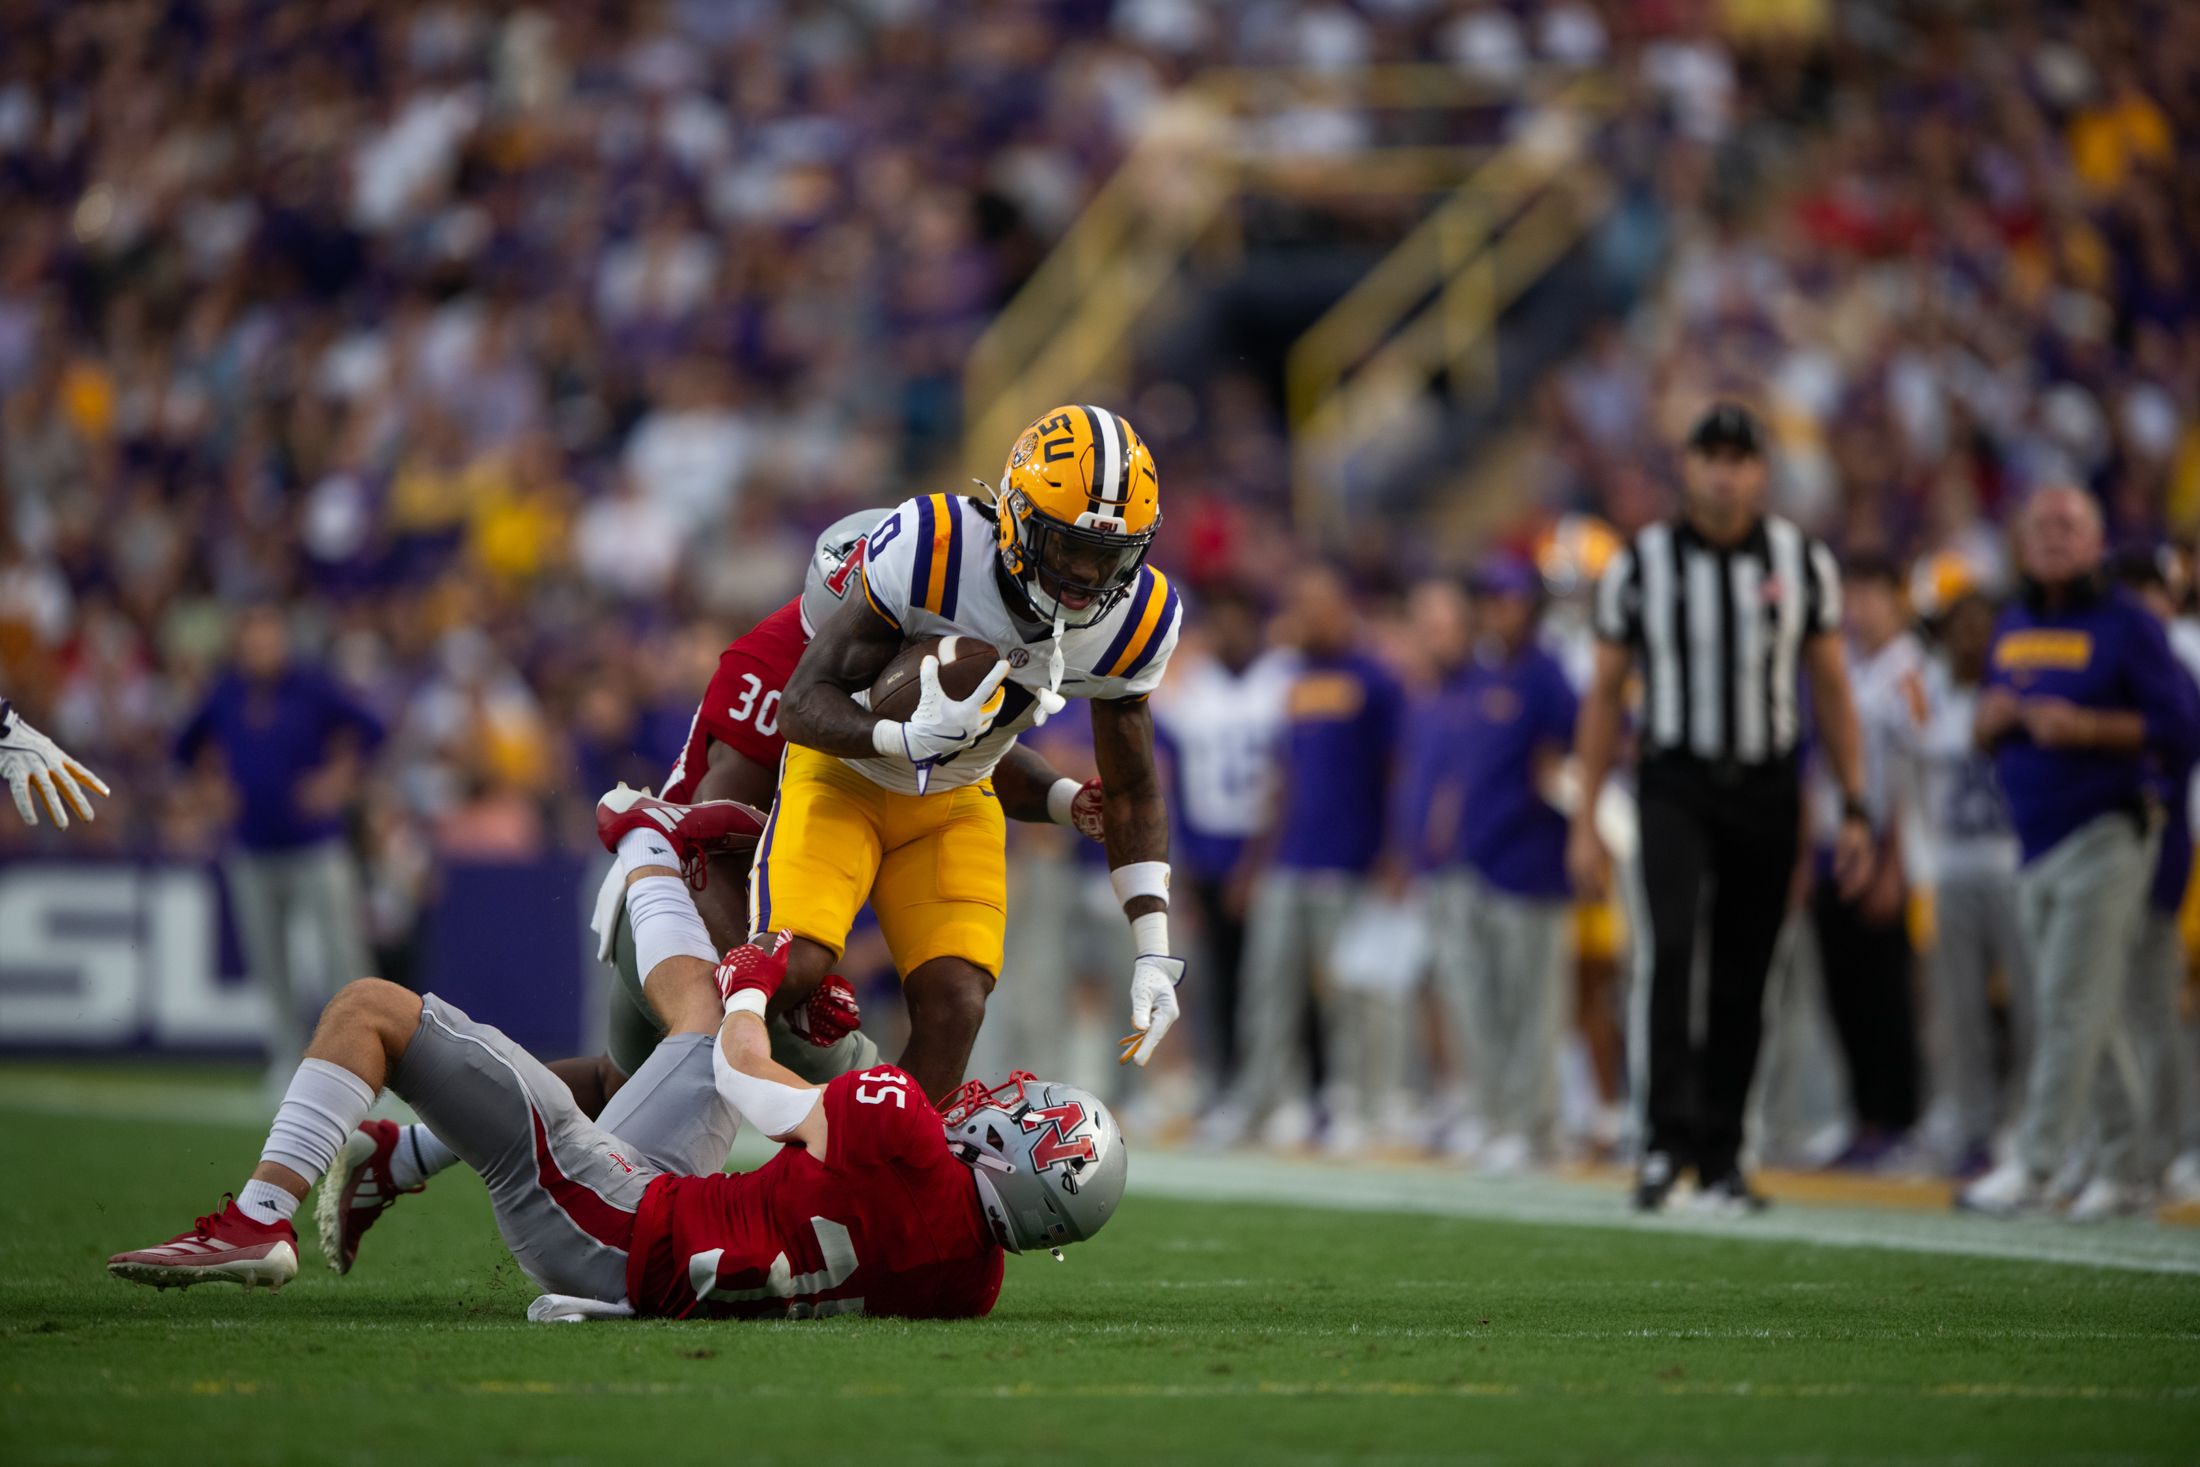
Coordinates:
[1048,1158]
[833,565]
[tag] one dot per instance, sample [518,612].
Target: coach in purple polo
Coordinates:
[2083,700]
[290,740]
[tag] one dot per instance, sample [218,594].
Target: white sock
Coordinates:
[324,1105]
[266,1203]
[418,1156]
[666,924]
[645,847]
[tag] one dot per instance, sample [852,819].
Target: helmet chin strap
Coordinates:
[1055,660]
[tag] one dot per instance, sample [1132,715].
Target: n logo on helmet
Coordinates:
[838,580]
[1062,1122]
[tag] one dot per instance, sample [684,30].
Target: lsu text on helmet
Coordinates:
[1079,505]
[1048,1158]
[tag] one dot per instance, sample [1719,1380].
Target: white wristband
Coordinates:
[1150,935]
[1058,799]
[886,738]
[1140,878]
[747,1001]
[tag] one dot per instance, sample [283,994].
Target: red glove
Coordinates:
[749,966]
[1085,812]
[830,1015]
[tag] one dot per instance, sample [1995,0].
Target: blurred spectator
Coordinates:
[1343,712]
[1864,939]
[1503,909]
[1220,721]
[2081,688]
[1968,858]
[292,744]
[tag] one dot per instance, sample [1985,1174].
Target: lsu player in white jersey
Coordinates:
[1054,574]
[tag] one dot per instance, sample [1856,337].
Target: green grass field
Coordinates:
[1189,1332]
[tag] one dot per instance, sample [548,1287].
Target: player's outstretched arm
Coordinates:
[30,761]
[846,657]
[1138,863]
[776,1100]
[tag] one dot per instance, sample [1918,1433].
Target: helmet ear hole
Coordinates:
[993,1139]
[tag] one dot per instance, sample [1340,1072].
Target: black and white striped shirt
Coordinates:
[1719,632]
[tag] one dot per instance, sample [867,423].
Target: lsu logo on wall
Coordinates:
[2025,655]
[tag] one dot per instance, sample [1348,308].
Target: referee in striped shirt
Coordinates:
[1725,610]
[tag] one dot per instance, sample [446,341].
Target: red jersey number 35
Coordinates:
[891,1086]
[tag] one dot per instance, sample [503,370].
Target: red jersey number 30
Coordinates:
[759,712]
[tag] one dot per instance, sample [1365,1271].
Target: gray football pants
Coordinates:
[635,1031]
[268,888]
[1977,931]
[2080,906]
[1502,969]
[564,1188]
[1289,930]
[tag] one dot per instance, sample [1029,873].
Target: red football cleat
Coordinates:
[356,1191]
[710,828]
[225,1247]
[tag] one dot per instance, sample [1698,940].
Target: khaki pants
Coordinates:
[2080,906]
[1503,969]
[1975,918]
[1290,929]
[268,889]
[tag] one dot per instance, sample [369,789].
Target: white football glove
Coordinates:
[941,726]
[31,761]
[1153,1005]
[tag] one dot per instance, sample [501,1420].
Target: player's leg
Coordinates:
[815,865]
[673,1115]
[362,1035]
[942,903]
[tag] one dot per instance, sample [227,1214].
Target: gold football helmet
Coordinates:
[1079,505]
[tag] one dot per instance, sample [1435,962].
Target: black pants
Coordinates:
[1225,936]
[1735,833]
[1867,966]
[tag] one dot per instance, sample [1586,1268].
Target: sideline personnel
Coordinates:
[2083,701]
[1722,608]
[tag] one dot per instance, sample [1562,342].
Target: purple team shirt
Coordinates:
[1344,714]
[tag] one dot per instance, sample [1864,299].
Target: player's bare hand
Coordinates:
[1588,863]
[1153,1005]
[29,761]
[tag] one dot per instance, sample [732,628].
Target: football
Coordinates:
[964,662]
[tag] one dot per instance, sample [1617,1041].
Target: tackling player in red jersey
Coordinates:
[878,1204]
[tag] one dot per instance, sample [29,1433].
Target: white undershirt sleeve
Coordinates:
[771,1107]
